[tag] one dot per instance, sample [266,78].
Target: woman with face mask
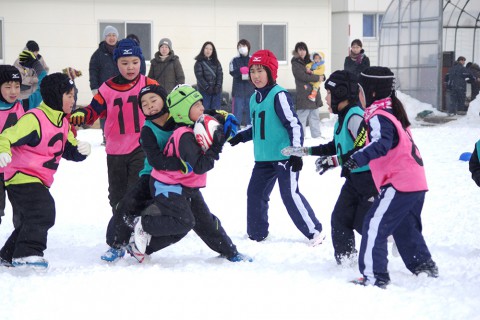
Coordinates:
[242,88]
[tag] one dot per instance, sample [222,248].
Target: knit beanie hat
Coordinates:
[267,59]
[343,86]
[159,90]
[32,46]
[108,30]
[9,73]
[53,87]
[127,48]
[380,80]
[166,41]
[179,102]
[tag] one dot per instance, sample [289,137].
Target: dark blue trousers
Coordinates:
[264,176]
[398,214]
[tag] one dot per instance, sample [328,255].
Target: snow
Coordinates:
[287,280]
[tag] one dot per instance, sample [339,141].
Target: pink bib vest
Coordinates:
[191,179]
[124,119]
[402,166]
[42,160]
[9,117]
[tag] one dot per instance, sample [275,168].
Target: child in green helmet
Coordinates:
[178,205]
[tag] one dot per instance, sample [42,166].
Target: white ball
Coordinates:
[203,129]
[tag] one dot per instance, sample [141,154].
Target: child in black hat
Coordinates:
[358,191]
[12,108]
[30,152]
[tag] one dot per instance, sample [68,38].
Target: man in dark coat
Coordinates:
[457,86]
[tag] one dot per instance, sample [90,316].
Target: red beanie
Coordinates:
[267,59]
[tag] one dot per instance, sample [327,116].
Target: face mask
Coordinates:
[243,51]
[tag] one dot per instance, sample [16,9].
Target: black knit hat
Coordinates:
[32,46]
[159,90]
[343,86]
[9,73]
[380,80]
[53,87]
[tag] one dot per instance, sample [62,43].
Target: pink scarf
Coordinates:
[378,104]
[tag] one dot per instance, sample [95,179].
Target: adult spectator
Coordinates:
[475,82]
[356,62]
[102,66]
[242,88]
[457,86]
[165,67]
[307,110]
[209,74]
[29,76]
[143,67]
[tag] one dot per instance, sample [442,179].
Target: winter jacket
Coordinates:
[474,164]
[303,85]
[356,66]
[205,78]
[102,66]
[168,72]
[240,87]
[29,77]
[457,76]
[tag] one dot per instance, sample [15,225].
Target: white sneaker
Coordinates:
[142,239]
[317,239]
[134,252]
[35,262]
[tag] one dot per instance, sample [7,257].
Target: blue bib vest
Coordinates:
[268,133]
[162,139]
[343,139]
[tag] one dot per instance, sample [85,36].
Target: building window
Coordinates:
[266,36]
[371,25]
[1,40]
[143,30]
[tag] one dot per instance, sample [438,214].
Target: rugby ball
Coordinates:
[203,130]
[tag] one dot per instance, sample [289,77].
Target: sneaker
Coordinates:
[364,281]
[429,268]
[142,238]
[5,263]
[239,257]
[312,95]
[35,262]
[134,252]
[112,254]
[317,239]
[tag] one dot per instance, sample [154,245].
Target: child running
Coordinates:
[33,147]
[358,191]
[271,107]
[12,108]
[117,101]
[398,172]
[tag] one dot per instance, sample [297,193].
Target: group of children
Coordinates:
[156,167]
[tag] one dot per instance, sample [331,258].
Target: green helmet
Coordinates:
[179,102]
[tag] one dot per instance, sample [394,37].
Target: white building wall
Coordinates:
[347,25]
[67,31]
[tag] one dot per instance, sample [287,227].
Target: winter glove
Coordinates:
[218,140]
[84,148]
[27,58]
[235,140]
[296,163]
[325,163]
[210,90]
[350,164]
[244,70]
[78,117]
[296,151]
[5,159]
[230,127]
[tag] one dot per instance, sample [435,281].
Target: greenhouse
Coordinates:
[421,39]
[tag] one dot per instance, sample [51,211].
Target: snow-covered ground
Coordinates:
[287,280]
